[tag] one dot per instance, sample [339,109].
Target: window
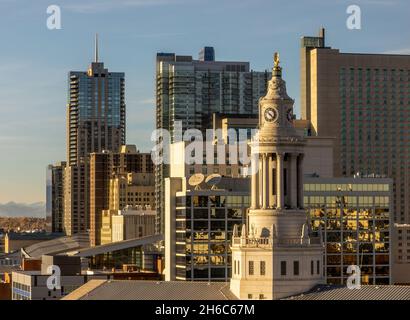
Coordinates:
[251,268]
[295,268]
[234,267]
[318,267]
[263,268]
[261,296]
[283,268]
[249,296]
[312,268]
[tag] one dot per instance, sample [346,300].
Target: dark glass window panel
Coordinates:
[218,213]
[334,236]
[200,225]
[200,213]
[218,273]
[382,259]
[334,271]
[349,260]
[201,273]
[217,225]
[334,259]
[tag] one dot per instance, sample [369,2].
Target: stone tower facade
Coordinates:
[275,256]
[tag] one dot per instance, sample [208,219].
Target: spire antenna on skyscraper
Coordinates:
[96,48]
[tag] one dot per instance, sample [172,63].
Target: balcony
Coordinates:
[268,242]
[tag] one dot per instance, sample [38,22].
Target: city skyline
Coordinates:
[39,106]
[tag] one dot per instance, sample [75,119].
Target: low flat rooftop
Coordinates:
[151,290]
[367,292]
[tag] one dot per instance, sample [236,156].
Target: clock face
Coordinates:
[289,115]
[270,114]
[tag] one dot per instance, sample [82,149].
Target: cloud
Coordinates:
[13,209]
[95,6]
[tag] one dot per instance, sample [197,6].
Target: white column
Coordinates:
[294,180]
[271,182]
[263,173]
[266,185]
[279,187]
[260,184]
[300,180]
[254,167]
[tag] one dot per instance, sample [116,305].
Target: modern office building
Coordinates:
[363,100]
[275,255]
[95,123]
[199,226]
[55,195]
[189,91]
[353,215]
[105,168]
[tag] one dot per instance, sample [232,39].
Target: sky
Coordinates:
[34,61]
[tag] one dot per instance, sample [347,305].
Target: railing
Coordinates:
[254,242]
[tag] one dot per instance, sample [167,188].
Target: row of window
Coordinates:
[283,268]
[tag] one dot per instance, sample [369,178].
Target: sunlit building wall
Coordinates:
[353,215]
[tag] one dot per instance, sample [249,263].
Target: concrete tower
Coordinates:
[275,256]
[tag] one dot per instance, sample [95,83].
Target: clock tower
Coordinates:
[274,256]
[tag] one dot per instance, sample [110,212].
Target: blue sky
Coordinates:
[34,61]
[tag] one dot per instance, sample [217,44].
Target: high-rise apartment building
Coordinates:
[76,204]
[95,123]
[95,111]
[363,100]
[189,91]
[55,195]
[105,166]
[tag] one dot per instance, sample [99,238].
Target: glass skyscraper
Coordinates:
[96,112]
[189,91]
[95,123]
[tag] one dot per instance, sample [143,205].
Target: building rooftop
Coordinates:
[33,235]
[120,245]
[57,246]
[151,290]
[367,292]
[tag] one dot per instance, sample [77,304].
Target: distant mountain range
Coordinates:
[13,209]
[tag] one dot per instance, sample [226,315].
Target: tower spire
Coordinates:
[96,48]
